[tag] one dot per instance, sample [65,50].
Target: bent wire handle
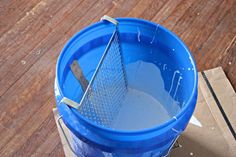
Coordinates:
[68,143]
[172,146]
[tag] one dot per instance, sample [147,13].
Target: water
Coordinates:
[146,104]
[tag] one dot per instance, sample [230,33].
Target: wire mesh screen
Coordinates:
[102,99]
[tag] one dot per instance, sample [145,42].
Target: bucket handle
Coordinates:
[173,143]
[65,136]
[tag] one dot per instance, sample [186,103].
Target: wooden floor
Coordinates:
[32,33]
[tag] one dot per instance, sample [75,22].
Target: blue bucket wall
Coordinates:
[140,40]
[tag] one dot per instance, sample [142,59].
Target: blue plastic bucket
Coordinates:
[140,40]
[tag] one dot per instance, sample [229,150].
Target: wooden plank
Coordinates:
[120,8]
[78,73]
[22,134]
[224,93]
[177,14]
[166,11]
[49,144]
[46,129]
[13,11]
[228,62]
[199,37]
[152,9]
[189,16]
[139,8]
[8,38]
[57,152]
[221,46]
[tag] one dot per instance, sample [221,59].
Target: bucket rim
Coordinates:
[126,132]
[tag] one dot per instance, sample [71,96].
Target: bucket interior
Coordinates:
[159,72]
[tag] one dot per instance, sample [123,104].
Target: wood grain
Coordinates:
[33,32]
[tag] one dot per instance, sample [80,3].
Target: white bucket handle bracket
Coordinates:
[110,19]
[70,102]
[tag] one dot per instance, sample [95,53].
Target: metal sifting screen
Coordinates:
[102,99]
